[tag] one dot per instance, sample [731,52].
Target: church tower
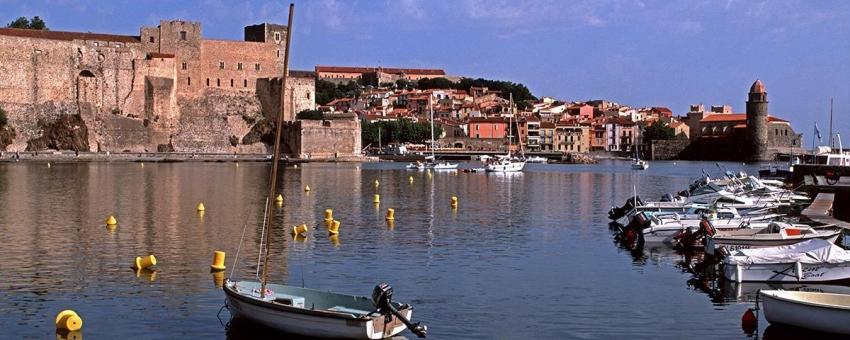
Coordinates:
[757,123]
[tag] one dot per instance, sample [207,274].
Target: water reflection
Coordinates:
[517,247]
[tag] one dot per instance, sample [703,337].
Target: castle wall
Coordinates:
[330,138]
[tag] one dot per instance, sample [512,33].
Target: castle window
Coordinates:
[151,39]
[182,35]
[189,81]
[278,53]
[277,36]
[239,66]
[208,81]
[256,67]
[777,132]
[245,83]
[218,82]
[231,82]
[184,66]
[308,95]
[220,65]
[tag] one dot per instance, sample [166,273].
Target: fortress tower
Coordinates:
[757,123]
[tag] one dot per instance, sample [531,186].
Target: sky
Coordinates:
[634,52]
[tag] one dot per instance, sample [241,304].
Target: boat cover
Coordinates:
[811,251]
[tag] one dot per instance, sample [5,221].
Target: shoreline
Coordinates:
[159,157]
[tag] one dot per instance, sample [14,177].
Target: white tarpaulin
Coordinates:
[811,251]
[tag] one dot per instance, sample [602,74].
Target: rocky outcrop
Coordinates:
[66,132]
[7,136]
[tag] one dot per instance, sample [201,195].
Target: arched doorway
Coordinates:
[87,89]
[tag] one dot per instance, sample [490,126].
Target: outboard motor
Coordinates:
[382,297]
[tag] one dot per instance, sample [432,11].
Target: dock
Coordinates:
[820,211]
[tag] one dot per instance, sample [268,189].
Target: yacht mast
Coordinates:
[276,157]
[431,110]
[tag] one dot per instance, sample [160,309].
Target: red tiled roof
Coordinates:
[69,36]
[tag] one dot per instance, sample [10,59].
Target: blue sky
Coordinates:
[642,53]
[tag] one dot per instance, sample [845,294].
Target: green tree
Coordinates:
[658,131]
[435,83]
[519,91]
[403,84]
[3,119]
[400,131]
[36,23]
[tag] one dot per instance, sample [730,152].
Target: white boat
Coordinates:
[640,164]
[536,159]
[308,312]
[809,261]
[776,234]
[431,161]
[505,164]
[822,312]
[313,313]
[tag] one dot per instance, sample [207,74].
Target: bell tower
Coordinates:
[757,123]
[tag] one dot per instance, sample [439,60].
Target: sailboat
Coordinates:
[431,161]
[506,163]
[639,164]
[310,312]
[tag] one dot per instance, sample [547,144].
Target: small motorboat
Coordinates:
[809,261]
[315,313]
[823,312]
[776,234]
[505,164]
[537,159]
[640,164]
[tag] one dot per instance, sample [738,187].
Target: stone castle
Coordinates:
[167,89]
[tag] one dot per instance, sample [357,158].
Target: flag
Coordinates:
[817,133]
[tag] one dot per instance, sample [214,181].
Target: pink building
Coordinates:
[488,128]
[581,111]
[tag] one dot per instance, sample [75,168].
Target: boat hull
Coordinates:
[800,309]
[311,323]
[508,167]
[733,243]
[787,272]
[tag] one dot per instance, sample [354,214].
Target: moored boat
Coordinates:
[809,261]
[822,312]
[776,234]
[314,313]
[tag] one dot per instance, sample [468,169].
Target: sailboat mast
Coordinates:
[431,109]
[276,157]
[831,143]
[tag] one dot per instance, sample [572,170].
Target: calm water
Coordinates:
[526,255]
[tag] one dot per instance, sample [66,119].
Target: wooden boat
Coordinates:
[809,261]
[314,313]
[822,312]
[308,312]
[776,234]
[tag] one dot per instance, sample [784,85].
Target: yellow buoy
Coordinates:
[279,198]
[201,207]
[329,215]
[454,201]
[111,227]
[299,229]
[218,261]
[377,199]
[390,224]
[143,262]
[111,220]
[334,239]
[410,179]
[390,214]
[218,278]
[69,320]
[377,183]
[333,228]
[299,238]
[307,188]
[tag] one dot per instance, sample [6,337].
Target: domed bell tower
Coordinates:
[757,123]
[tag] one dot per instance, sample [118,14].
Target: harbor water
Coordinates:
[525,255]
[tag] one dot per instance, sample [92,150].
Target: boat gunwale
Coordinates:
[313,312]
[775,294]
